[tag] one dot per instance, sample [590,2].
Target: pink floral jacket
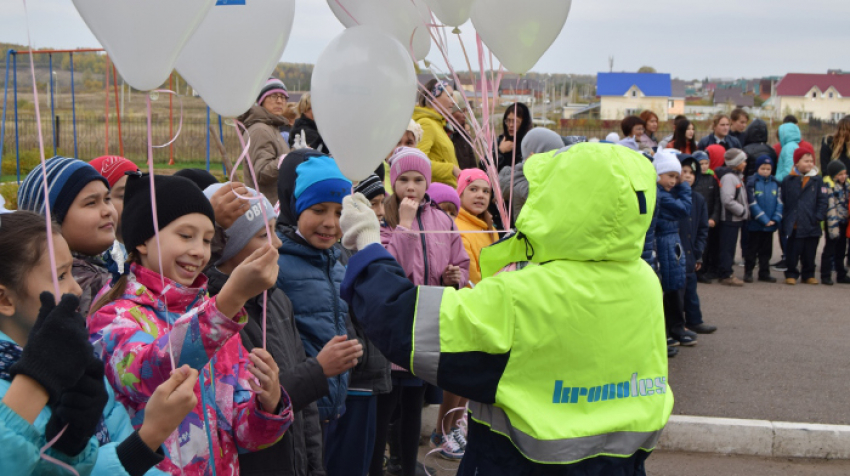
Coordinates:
[133,335]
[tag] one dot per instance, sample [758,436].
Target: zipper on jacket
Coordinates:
[331,262]
[424,246]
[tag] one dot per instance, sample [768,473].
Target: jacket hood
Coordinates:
[756,133]
[789,133]
[259,115]
[688,159]
[593,202]
[286,184]
[420,113]
[716,156]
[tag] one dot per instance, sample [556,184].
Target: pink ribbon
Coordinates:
[245,154]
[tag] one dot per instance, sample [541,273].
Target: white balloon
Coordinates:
[451,12]
[401,19]
[143,38]
[236,48]
[363,92]
[518,33]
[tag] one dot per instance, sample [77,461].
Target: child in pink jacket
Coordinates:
[161,308]
[432,259]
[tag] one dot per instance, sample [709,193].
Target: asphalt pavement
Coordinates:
[780,353]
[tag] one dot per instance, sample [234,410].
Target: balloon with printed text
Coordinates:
[226,72]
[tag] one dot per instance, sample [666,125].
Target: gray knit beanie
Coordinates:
[246,226]
[539,140]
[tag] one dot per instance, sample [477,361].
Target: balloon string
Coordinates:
[242,157]
[346,11]
[156,228]
[53,460]
[439,448]
[51,249]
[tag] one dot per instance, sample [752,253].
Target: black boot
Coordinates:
[748,276]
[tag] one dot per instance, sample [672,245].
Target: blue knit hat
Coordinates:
[762,160]
[66,177]
[318,181]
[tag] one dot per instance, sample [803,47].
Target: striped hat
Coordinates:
[66,177]
[273,86]
[371,187]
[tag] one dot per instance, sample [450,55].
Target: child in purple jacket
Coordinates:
[431,259]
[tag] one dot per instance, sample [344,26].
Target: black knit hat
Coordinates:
[201,177]
[371,187]
[175,197]
[835,167]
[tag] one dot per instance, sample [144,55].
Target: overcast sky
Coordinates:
[719,38]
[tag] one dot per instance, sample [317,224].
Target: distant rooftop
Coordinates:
[617,84]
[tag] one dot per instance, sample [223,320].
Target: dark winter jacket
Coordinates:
[464,152]
[91,274]
[693,229]
[673,206]
[729,142]
[755,146]
[299,453]
[505,160]
[650,246]
[763,195]
[308,128]
[740,136]
[805,207]
[826,150]
[706,186]
[312,278]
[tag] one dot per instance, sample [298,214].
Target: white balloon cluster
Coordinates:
[364,83]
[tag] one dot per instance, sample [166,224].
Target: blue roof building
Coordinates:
[625,94]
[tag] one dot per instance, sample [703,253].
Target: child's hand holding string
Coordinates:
[267,383]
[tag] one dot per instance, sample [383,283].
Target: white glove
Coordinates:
[360,227]
[300,142]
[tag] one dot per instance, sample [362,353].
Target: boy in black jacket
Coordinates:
[693,230]
[709,189]
[806,199]
[305,378]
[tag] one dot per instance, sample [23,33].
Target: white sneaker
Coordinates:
[460,438]
[450,449]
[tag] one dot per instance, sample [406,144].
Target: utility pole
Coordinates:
[610,64]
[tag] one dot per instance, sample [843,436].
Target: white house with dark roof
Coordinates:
[825,97]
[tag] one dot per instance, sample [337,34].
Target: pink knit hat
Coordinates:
[442,193]
[468,176]
[406,159]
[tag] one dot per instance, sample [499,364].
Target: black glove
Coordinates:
[58,347]
[81,408]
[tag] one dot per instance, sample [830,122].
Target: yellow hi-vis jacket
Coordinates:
[567,359]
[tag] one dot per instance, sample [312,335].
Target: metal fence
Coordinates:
[190,146]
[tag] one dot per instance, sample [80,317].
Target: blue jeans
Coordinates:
[693,313]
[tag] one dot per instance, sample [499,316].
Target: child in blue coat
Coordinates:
[693,231]
[674,203]
[765,199]
[50,377]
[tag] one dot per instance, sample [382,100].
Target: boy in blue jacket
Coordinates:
[674,204]
[765,199]
[693,231]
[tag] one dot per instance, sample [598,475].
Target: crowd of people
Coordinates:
[233,332]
